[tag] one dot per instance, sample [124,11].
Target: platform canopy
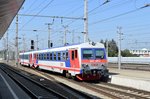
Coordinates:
[8,10]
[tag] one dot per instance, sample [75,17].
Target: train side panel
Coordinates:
[85,61]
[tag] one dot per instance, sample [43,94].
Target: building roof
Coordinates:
[144,49]
[8,10]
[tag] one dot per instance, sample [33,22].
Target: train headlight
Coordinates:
[104,66]
[83,65]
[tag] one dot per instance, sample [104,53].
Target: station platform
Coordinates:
[131,78]
[9,89]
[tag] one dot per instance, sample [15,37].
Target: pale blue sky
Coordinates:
[135,25]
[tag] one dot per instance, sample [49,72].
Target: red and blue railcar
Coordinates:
[86,61]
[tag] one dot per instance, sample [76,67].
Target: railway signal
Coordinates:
[32,44]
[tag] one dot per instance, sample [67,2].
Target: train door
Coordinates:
[74,59]
[35,58]
[67,58]
[30,58]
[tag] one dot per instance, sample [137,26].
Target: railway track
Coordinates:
[40,88]
[119,92]
[111,90]
[107,89]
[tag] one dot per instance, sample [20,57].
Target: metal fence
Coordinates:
[3,55]
[136,60]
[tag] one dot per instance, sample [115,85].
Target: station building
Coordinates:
[141,53]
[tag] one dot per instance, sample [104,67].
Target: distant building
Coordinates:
[3,55]
[141,53]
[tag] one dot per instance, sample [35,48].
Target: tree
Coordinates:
[112,47]
[126,53]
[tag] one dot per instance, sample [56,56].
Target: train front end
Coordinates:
[93,63]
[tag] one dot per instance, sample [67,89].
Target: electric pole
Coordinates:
[107,48]
[73,37]
[7,55]
[119,46]
[37,41]
[16,58]
[65,33]
[23,40]
[49,38]
[79,39]
[85,20]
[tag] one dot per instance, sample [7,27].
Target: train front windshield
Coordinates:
[93,53]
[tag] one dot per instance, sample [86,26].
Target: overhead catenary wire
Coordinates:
[116,5]
[107,1]
[77,8]
[122,14]
[91,11]
[119,15]
[92,14]
[31,6]
[60,17]
[37,13]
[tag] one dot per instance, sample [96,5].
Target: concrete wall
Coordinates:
[137,83]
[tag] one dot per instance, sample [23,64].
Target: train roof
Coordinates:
[76,46]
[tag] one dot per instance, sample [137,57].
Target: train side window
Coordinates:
[47,56]
[76,54]
[64,56]
[54,55]
[42,56]
[58,54]
[24,56]
[50,56]
[72,55]
[37,56]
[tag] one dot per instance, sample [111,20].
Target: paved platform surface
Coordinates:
[130,78]
[9,90]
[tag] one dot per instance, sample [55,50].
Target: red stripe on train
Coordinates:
[48,66]
[94,61]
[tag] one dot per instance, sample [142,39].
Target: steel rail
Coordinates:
[31,80]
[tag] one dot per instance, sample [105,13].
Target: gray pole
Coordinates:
[7,49]
[23,42]
[73,37]
[37,41]
[85,20]
[65,27]
[78,39]
[16,59]
[49,38]
[107,47]
[119,47]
